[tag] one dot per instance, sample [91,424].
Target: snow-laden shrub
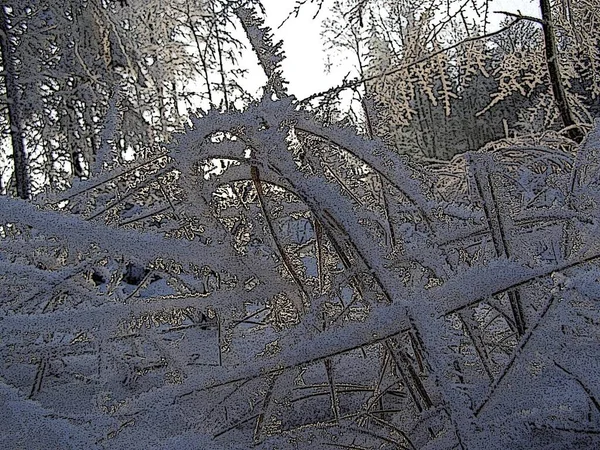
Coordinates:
[270,282]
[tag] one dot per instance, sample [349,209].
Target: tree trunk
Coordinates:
[558,89]
[21,172]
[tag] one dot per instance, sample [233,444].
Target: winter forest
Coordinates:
[408,260]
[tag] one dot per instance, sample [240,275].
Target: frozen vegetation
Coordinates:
[268,277]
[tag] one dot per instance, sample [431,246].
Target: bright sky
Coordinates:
[304,66]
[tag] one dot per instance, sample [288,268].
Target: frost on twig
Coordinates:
[246,286]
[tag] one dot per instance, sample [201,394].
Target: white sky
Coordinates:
[304,66]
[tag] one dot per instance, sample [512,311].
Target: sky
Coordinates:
[304,66]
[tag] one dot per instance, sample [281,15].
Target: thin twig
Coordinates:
[586,389]
[284,256]
[333,393]
[518,351]
[522,16]
[359,81]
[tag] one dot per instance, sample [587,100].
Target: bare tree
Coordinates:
[13,107]
[556,81]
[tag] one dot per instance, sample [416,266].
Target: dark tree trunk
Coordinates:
[558,89]
[21,171]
